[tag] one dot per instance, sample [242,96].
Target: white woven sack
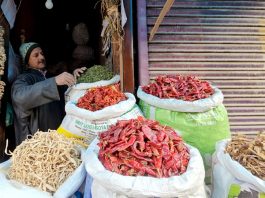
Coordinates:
[78,90]
[112,185]
[11,188]
[201,105]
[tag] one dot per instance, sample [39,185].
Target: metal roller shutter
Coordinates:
[220,41]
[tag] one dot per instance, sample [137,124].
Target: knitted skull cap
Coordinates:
[26,49]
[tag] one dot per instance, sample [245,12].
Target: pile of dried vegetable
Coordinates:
[94,74]
[143,147]
[2,88]
[188,88]
[2,61]
[250,153]
[2,52]
[45,161]
[98,98]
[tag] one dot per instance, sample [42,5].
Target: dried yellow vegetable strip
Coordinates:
[44,161]
[2,60]
[2,88]
[250,153]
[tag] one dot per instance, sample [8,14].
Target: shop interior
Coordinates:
[60,31]
[69,33]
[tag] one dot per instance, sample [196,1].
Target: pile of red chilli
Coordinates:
[98,98]
[188,88]
[143,147]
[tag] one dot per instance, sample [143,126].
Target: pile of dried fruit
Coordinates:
[94,74]
[98,98]
[188,88]
[250,153]
[143,147]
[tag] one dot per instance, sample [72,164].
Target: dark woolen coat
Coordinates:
[36,102]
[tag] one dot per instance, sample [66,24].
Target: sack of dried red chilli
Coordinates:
[101,97]
[201,122]
[141,158]
[96,115]
[181,93]
[75,92]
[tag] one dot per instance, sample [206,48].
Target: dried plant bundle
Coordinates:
[112,20]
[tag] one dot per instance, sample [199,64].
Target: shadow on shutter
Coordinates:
[220,41]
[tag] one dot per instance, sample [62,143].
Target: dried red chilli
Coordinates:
[98,98]
[188,88]
[143,147]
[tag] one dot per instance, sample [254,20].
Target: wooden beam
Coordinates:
[160,18]
[128,56]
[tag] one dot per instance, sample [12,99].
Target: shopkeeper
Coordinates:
[36,99]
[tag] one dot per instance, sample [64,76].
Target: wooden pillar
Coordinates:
[123,57]
[128,55]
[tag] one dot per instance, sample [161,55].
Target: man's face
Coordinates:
[37,59]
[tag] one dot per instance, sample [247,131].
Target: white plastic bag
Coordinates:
[9,9]
[85,124]
[201,105]
[109,184]
[78,90]
[227,172]
[11,188]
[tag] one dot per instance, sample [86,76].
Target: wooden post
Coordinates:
[128,56]
[115,54]
[123,59]
[121,64]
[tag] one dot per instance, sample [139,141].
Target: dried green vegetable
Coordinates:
[94,74]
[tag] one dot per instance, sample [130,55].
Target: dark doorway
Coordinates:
[53,28]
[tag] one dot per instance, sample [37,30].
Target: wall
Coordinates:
[220,41]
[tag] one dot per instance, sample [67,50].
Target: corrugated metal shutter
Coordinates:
[220,41]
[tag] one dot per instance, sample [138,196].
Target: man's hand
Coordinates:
[79,71]
[65,79]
